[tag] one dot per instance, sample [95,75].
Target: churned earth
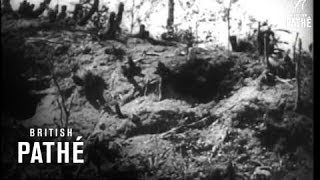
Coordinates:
[218,118]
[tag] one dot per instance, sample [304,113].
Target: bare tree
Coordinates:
[258,38]
[266,55]
[118,18]
[294,47]
[170,19]
[228,20]
[132,16]
[298,102]
[226,16]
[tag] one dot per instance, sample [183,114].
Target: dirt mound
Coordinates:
[217,118]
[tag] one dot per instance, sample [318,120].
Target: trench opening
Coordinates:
[17,69]
[202,80]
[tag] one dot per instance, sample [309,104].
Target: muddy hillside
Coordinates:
[150,108]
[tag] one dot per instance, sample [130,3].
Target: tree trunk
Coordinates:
[233,41]
[297,103]
[258,42]
[119,17]
[266,58]
[170,19]
[132,16]
[63,13]
[142,32]
[294,47]
[228,19]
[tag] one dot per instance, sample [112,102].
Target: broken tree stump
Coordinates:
[259,38]
[143,34]
[170,19]
[118,18]
[170,13]
[233,42]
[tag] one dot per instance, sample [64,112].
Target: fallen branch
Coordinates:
[33,40]
[198,124]
[285,81]
[151,54]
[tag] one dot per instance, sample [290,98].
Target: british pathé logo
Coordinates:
[300,4]
[301,18]
[32,152]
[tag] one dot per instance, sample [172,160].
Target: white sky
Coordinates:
[276,11]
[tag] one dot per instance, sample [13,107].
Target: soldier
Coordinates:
[52,13]
[191,54]
[130,71]
[289,65]
[143,34]
[63,13]
[164,74]
[29,11]
[42,7]
[56,10]
[169,35]
[78,12]
[110,32]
